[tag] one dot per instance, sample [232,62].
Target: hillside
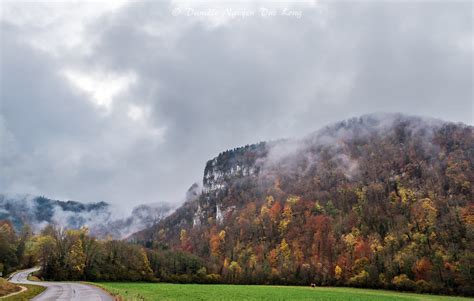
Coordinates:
[382,200]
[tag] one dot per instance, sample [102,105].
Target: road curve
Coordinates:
[62,290]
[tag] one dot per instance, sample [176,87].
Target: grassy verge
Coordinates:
[33,278]
[32,291]
[7,288]
[166,291]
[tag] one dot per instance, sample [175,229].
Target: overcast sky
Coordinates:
[126,101]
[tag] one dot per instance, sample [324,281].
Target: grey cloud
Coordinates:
[216,87]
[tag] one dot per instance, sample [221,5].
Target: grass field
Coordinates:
[32,290]
[166,291]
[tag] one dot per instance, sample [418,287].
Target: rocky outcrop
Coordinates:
[220,173]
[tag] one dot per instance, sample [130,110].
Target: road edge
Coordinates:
[115,297]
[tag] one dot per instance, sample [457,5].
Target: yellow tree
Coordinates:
[185,241]
[235,270]
[285,253]
[337,272]
[76,259]
[424,215]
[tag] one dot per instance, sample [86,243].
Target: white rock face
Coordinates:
[219,215]
[222,213]
[215,180]
[219,174]
[197,217]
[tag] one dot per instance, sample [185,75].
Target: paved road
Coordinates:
[62,290]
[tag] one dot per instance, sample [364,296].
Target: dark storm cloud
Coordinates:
[208,85]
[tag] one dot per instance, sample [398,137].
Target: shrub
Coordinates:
[213,278]
[360,280]
[403,283]
[423,287]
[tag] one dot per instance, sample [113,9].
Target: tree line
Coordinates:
[75,255]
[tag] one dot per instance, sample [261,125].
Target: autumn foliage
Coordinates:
[388,208]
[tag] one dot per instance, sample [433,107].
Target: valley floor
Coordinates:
[167,291]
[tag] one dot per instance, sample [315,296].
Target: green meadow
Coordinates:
[167,291]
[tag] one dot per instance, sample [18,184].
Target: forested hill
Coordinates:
[99,218]
[382,200]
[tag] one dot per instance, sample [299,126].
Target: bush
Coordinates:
[192,278]
[183,278]
[403,283]
[360,280]
[423,287]
[213,278]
